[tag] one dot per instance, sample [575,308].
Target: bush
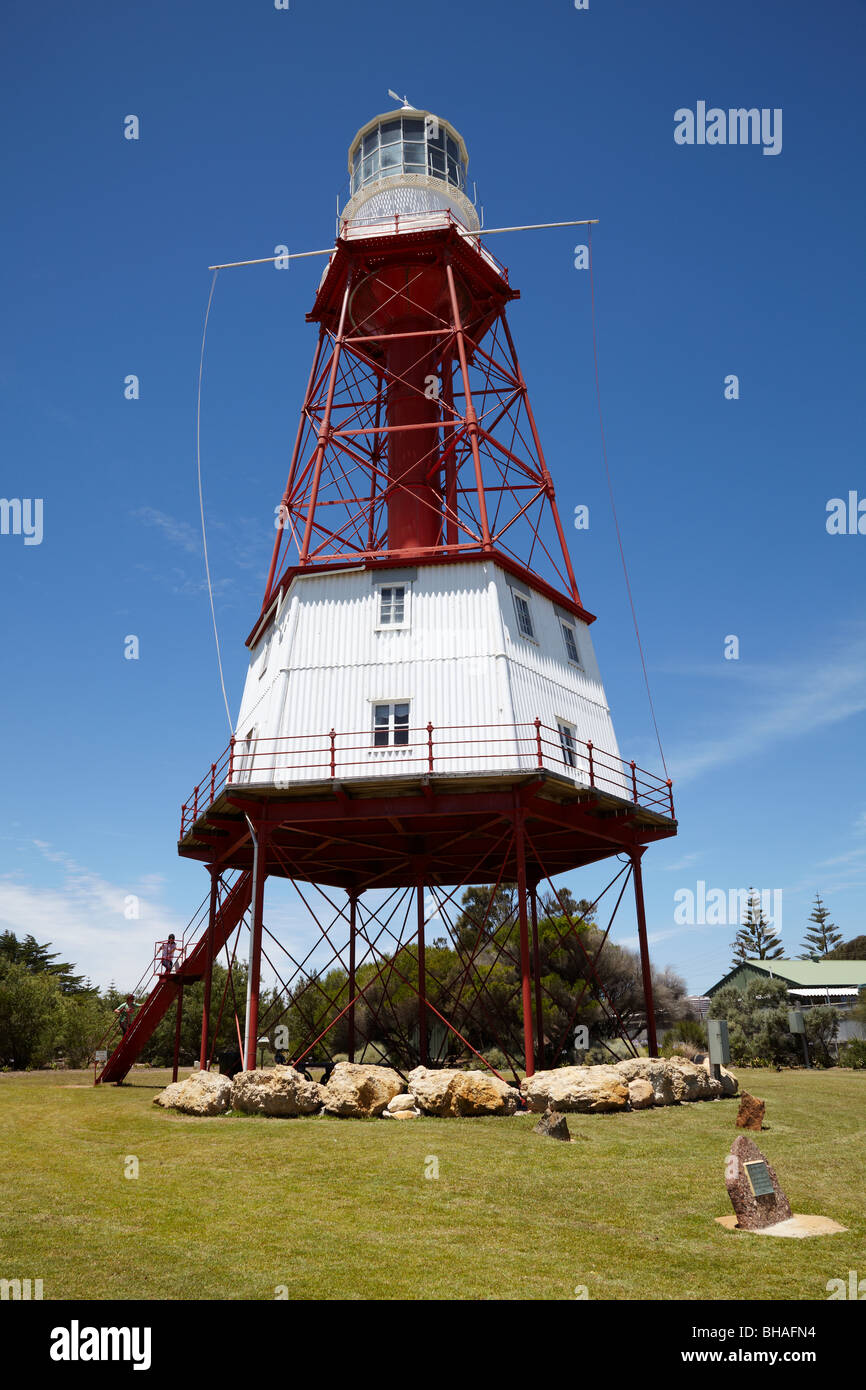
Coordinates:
[853,1054]
[496,1057]
[685,1039]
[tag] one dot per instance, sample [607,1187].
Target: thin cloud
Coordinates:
[793,702]
[178,532]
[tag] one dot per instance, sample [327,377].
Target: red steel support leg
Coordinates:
[353,905]
[469,412]
[544,471]
[422,982]
[529,1060]
[451,532]
[177,1029]
[536,972]
[293,468]
[325,428]
[646,970]
[208,970]
[256,949]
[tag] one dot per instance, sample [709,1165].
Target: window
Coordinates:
[524,617]
[570,638]
[406,146]
[567,744]
[393,605]
[391,724]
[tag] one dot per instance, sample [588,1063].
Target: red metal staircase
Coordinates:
[192,968]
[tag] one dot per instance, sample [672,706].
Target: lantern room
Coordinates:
[408,162]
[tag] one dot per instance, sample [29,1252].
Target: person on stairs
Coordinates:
[168,949]
[125,1014]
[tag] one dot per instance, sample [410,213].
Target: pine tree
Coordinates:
[37,959]
[824,936]
[756,939]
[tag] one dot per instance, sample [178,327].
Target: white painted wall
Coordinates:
[460,661]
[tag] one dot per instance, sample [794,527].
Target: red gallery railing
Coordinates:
[298,758]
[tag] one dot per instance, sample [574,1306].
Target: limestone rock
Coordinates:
[203,1093]
[641,1095]
[404,1104]
[359,1091]
[442,1091]
[656,1070]
[275,1091]
[729,1084]
[751,1112]
[691,1082]
[553,1126]
[585,1089]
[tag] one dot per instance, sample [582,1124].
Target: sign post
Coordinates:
[797,1024]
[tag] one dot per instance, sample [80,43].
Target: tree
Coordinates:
[824,936]
[855,949]
[31,1013]
[37,959]
[84,1022]
[756,939]
[757,1017]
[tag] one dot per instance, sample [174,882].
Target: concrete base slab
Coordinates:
[796,1227]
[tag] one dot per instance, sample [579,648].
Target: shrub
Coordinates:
[853,1054]
[685,1039]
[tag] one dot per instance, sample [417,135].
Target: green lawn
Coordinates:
[234,1207]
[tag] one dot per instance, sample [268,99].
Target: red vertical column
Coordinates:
[422,982]
[646,969]
[353,907]
[208,969]
[526,987]
[536,974]
[256,948]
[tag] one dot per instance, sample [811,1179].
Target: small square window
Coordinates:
[392,605]
[391,724]
[524,617]
[567,744]
[570,643]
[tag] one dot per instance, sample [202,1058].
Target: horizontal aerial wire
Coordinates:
[613,509]
[329,250]
[201,503]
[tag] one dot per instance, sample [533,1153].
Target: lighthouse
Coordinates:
[423,709]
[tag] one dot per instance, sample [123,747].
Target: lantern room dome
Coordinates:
[408,162]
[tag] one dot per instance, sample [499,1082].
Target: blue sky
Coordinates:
[709,261]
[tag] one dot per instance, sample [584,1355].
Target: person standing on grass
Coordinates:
[168,949]
[125,1014]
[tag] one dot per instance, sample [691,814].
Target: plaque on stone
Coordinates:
[759,1178]
[753,1187]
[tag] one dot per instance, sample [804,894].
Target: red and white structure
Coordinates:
[423,709]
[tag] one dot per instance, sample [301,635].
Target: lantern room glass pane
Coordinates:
[371,141]
[415,153]
[390,133]
[413,129]
[437,163]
